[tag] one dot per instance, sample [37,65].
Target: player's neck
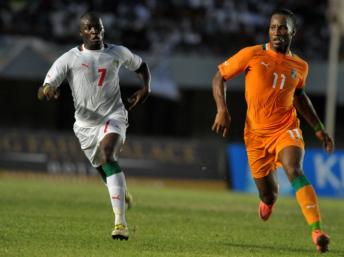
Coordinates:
[286,51]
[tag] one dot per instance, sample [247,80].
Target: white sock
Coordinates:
[116,186]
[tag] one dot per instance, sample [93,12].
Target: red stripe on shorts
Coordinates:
[106,126]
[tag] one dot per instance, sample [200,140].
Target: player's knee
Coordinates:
[107,152]
[293,167]
[293,171]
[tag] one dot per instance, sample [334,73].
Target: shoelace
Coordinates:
[119,226]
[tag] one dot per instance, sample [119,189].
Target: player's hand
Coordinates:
[222,123]
[326,140]
[140,96]
[47,92]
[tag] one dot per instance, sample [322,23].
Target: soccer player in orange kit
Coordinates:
[274,89]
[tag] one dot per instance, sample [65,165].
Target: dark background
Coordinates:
[198,28]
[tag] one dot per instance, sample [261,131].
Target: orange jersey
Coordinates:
[270,82]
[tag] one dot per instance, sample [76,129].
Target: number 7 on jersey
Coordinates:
[102,73]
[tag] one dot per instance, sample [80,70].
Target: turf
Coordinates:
[45,217]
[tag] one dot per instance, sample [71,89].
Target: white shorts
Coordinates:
[90,137]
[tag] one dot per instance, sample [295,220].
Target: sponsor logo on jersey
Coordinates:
[85,65]
[266,65]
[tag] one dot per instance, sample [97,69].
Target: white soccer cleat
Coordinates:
[120,232]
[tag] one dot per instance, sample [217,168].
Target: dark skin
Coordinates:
[92,34]
[281,33]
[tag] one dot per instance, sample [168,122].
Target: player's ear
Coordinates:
[293,33]
[81,27]
[81,33]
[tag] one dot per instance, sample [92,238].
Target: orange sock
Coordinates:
[307,200]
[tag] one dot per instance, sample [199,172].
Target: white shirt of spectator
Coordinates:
[94,81]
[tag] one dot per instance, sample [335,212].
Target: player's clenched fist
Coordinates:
[326,139]
[139,96]
[47,92]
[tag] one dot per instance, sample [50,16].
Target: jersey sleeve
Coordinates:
[236,64]
[131,61]
[303,77]
[58,71]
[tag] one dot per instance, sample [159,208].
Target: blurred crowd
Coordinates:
[216,27]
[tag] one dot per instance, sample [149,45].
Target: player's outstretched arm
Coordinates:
[222,118]
[142,94]
[305,107]
[48,92]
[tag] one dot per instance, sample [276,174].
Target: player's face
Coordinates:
[281,32]
[92,33]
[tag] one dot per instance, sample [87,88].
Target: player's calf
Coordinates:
[128,200]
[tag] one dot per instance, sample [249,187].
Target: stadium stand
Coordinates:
[181,32]
[197,26]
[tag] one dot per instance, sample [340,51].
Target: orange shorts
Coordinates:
[262,151]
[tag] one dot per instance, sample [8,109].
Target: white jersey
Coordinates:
[94,81]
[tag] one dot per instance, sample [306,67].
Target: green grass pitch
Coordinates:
[71,217]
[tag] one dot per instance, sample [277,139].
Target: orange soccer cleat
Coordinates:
[265,210]
[321,240]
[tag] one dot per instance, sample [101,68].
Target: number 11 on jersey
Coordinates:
[276,78]
[102,73]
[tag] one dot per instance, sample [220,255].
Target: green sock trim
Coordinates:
[315,225]
[111,168]
[299,182]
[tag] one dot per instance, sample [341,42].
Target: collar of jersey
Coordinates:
[84,49]
[275,54]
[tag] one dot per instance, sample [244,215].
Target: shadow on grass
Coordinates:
[279,248]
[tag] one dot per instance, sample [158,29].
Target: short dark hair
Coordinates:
[89,15]
[287,13]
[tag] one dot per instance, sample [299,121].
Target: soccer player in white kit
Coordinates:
[91,70]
